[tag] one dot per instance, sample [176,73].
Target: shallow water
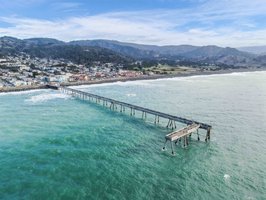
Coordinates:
[53,146]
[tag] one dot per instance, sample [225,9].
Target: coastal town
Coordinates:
[24,71]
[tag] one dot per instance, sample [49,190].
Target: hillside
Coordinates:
[51,48]
[183,53]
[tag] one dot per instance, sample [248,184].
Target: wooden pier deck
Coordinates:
[182,133]
[192,125]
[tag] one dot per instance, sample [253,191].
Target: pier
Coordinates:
[182,133]
[191,125]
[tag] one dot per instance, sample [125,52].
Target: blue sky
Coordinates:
[48,9]
[163,22]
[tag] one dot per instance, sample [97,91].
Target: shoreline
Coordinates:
[123,79]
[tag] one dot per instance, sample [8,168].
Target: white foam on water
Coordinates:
[226,176]
[90,86]
[131,95]
[204,76]
[183,79]
[119,83]
[22,92]
[47,97]
[249,198]
[137,82]
[93,86]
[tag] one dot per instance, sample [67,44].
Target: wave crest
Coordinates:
[46,97]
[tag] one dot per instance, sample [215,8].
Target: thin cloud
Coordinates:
[224,23]
[66,6]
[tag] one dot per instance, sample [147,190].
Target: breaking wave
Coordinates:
[119,83]
[131,95]
[226,176]
[47,97]
[21,92]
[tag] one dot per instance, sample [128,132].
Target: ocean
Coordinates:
[53,146]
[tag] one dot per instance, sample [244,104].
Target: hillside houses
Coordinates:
[23,70]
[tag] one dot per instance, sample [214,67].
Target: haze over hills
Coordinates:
[261,50]
[86,51]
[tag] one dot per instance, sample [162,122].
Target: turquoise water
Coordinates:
[53,146]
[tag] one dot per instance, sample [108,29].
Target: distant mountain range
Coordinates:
[86,51]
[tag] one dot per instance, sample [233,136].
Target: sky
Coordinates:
[233,23]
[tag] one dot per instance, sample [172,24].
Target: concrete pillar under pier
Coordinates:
[208,135]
